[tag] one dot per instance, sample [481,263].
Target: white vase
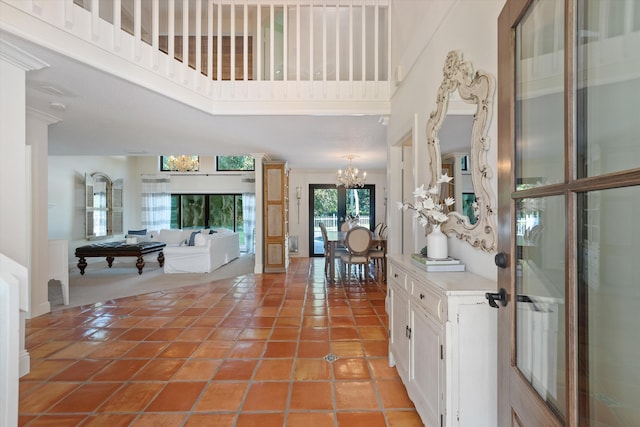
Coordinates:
[437,244]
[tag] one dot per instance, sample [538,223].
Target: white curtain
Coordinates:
[249,220]
[156,201]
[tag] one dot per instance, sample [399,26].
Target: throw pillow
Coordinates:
[192,238]
[200,240]
[142,232]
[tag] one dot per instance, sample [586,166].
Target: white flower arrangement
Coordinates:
[428,205]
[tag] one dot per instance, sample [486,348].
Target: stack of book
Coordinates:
[433,265]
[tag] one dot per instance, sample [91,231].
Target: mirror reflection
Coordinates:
[455,146]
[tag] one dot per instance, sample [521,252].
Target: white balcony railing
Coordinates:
[318,49]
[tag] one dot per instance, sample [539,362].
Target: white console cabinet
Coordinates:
[442,340]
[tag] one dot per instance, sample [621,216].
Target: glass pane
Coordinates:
[609,297]
[539,86]
[175,211]
[325,209]
[608,87]
[235,163]
[222,211]
[540,297]
[179,163]
[100,190]
[192,210]
[359,206]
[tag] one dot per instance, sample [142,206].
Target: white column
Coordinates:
[37,137]
[14,204]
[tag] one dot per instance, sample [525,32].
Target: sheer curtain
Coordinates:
[249,220]
[156,201]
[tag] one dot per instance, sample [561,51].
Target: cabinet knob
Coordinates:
[395,275]
[421,296]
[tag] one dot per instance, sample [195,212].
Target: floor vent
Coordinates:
[330,358]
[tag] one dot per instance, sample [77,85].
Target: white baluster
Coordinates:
[137,29]
[68,13]
[185,41]
[199,41]
[245,44]
[95,20]
[117,25]
[155,32]
[171,34]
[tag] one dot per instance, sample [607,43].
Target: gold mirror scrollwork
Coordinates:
[478,89]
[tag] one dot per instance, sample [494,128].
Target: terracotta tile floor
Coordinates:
[241,352]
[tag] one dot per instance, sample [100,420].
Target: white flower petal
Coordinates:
[445,178]
[428,203]
[449,201]
[420,192]
[440,217]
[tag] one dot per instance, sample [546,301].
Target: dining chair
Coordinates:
[378,251]
[358,241]
[338,251]
[377,228]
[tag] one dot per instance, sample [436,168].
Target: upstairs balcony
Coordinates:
[227,56]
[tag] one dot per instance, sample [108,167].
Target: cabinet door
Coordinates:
[275,219]
[399,339]
[427,366]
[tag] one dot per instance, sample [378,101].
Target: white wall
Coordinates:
[468,26]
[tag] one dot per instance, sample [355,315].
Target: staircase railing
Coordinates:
[286,49]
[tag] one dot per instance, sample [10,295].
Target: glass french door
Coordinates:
[333,206]
[569,186]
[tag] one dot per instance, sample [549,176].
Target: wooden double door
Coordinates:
[569,203]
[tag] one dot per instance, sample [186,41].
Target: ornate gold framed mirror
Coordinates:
[476,90]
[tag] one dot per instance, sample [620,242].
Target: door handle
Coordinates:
[501,296]
[501,260]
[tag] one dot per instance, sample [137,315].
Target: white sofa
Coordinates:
[209,251]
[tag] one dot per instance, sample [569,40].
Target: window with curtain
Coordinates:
[156,202]
[249,220]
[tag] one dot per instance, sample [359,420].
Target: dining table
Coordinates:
[337,238]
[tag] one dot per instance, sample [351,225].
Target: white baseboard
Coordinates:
[40,309]
[257,269]
[25,363]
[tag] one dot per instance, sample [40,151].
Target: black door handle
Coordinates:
[501,296]
[501,260]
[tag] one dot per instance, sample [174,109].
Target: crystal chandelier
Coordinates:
[350,178]
[183,163]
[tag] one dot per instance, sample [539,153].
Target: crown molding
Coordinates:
[19,57]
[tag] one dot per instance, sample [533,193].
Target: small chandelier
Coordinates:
[183,163]
[350,178]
